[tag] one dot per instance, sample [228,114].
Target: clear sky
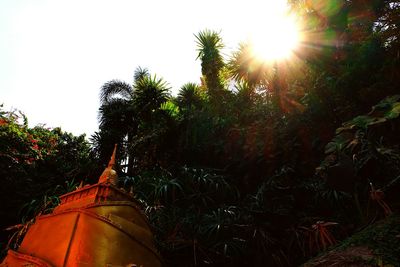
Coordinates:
[56,54]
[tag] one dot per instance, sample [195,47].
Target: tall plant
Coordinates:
[209,45]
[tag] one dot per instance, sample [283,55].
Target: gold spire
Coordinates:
[109,175]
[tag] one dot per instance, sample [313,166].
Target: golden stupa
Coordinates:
[95,225]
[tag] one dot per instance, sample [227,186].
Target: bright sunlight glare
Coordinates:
[276,38]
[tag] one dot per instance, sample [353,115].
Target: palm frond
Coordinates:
[115,111]
[189,95]
[150,93]
[244,66]
[140,73]
[208,43]
[115,89]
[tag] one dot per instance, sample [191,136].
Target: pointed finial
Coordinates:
[80,185]
[109,174]
[111,163]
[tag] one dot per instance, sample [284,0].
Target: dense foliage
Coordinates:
[262,164]
[232,171]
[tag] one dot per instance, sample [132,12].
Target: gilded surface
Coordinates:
[97,225]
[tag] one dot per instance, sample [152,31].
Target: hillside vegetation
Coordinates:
[260,164]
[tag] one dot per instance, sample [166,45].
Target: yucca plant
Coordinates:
[209,45]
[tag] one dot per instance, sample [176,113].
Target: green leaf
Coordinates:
[394,112]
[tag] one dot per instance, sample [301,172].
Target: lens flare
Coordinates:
[277,40]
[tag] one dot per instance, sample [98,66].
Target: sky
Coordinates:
[56,54]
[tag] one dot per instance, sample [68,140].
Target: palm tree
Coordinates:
[190,100]
[115,90]
[209,45]
[117,117]
[244,66]
[140,73]
[247,69]
[156,124]
[189,97]
[150,93]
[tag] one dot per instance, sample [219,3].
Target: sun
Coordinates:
[276,39]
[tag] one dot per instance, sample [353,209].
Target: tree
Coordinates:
[190,97]
[209,45]
[118,118]
[150,93]
[118,123]
[129,115]
[256,75]
[244,66]
[155,121]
